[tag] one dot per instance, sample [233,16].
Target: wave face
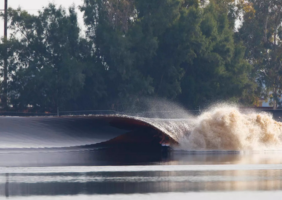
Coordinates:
[223,127]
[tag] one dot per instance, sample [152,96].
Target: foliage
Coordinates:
[181,50]
[261,33]
[47,69]
[219,71]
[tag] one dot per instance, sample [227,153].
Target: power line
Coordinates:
[5,69]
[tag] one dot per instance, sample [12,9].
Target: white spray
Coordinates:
[223,127]
[226,128]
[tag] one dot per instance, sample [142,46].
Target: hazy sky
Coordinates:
[33,6]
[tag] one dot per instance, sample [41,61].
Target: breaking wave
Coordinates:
[223,127]
[227,128]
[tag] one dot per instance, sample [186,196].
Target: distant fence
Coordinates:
[277,114]
[61,113]
[102,112]
[89,112]
[96,112]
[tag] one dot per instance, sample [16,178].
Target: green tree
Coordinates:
[262,33]
[174,49]
[116,39]
[139,48]
[218,71]
[9,48]
[48,67]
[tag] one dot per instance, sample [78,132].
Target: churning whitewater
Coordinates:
[227,128]
[222,127]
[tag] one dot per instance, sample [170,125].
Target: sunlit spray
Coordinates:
[222,127]
[225,127]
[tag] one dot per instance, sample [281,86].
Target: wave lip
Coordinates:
[221,128]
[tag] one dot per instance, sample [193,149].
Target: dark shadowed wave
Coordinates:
[79,140]
[52,133]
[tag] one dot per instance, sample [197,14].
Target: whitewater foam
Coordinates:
[227,128]
[223,127]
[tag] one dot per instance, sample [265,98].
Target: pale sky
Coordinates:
[32,6]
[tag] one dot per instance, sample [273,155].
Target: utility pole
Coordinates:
[5,70]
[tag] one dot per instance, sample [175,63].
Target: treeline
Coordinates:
[193,52]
